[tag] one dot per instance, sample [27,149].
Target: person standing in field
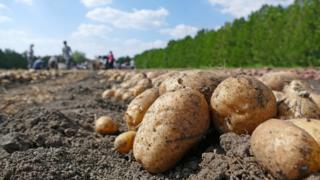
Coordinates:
[30,56]
[110,60]
[66,52]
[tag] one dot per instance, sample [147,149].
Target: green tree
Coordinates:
[79,57]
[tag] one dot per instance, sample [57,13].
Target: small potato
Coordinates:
[138,107]
[105,125]
[277,80]
[124,142]
[311,126]
[118,94]
[127,96]
[141,86]
[108,93]
[239,104]
[284,149]
[173,124]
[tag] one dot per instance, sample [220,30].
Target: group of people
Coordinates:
[53,61]
[108,61]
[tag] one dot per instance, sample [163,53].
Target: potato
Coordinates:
[141,86]
[204,82]
[239,104]
[311,87]
[118,94]
[108,93]
[156,82]
[154,74]
[124,142]
[311,126]
[138,107]
[105,125]
[127,96]
[298,102]
[284,149]
[277,80]
[173,124]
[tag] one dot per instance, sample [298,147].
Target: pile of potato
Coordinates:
[22,76]
[171,112]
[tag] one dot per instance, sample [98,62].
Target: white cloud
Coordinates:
[120,47]
[4,19]
[239,8]
[91,30]
[27,2]
[94,3]
[20,41]
[3,7]
[137,19]
[180,31]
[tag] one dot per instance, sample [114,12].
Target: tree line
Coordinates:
[10,59]
[274,36]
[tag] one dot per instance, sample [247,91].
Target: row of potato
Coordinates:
[171,112]
[24,76]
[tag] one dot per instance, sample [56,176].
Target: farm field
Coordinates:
[47,127]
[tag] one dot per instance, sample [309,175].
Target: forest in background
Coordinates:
[273,36]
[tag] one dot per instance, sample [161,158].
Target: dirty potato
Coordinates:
[105,125]
[239,104]
[311,126]
[138,107]
[298,102]
[124,142]
[277,80]
[204,82]
[174,123]
[285,150]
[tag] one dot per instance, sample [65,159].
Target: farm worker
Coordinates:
[30,56]
[53,62]
[110,60]
[38,64]
[66,52]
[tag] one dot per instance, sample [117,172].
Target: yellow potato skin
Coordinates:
[239,104]
[174,123]
[285,150]
[277,80]
[108,93]
[202,81]
[138,107]
[105,125]
[311,126]
[124,142]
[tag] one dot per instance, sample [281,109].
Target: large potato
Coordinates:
[312,126]
[204,82]
[277,80]
[174,123]
[239,104]
[139,106]
[286,150]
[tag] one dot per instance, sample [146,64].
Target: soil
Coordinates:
[46,132]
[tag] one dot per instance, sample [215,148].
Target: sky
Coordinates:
[127,27]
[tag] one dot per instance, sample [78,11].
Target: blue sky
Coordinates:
[127,27]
